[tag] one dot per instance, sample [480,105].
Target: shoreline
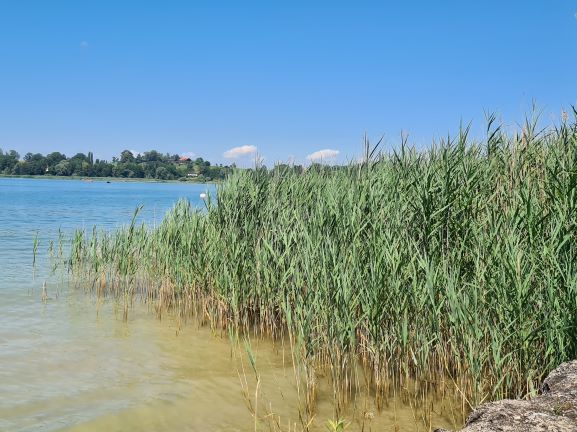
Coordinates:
[103,179]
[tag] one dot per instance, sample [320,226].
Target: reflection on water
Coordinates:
[100,373]
[71,364]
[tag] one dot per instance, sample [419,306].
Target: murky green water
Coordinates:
[73,364]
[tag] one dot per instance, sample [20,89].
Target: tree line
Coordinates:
[151,165]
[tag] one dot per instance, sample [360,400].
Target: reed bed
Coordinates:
[457,263]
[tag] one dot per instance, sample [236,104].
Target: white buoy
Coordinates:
[203,196]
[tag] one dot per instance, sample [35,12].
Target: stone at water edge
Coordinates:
[555,410]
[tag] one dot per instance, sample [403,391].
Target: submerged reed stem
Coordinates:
[457,262]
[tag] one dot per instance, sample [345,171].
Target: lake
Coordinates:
[72,363]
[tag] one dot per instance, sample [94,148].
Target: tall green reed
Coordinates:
[458,261]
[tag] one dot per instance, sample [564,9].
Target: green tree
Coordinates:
[62,168]
[126,157]
[7,161]
[55,157]
[162,173]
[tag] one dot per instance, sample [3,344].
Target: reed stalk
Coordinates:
[457,262]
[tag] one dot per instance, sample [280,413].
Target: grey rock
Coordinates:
[554,410]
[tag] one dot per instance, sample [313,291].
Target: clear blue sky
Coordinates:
[190,76]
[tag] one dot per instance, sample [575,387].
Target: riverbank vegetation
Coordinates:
[456,263]
[149,165]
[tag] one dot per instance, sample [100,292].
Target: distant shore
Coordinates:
[104,179]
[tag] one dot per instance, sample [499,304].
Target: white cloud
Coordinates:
[237,152]
[136,152]
[188,154]
[323,155]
